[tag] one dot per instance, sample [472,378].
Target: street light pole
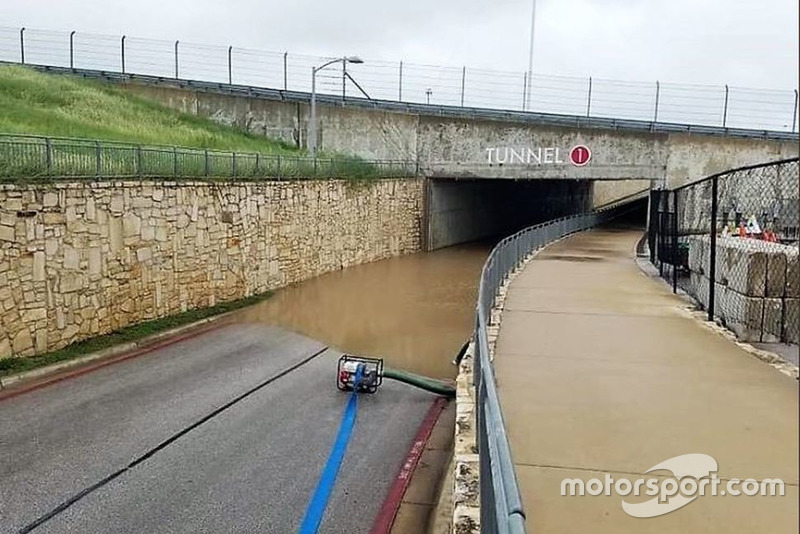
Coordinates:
[530,55]
[312,123]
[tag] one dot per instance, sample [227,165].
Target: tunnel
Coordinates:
[459,211]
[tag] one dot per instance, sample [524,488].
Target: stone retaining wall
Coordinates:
[757,286]
[83,259]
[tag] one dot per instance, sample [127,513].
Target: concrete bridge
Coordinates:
[456,142]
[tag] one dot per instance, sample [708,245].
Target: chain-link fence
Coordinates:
[731,242]
[658,102]
[29,157]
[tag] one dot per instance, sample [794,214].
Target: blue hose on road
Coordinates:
[316,508]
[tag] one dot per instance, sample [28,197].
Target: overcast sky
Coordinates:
[745,43]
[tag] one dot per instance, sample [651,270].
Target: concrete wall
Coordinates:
[456,147]
[458,211]
[757,286]
[82,259]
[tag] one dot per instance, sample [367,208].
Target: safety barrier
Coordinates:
[30,156]
[502,510]
[720,106]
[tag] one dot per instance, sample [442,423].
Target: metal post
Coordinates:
[206,161]
[257,158]
[71,50]
[98,162]
[675,256]
[658,91]
[233,164]
[725,108]
[175,162]
[279,167]
[176,59]
[524,89]
[22,45]
[344,80]
[286,71]
[400,84]
[312,123]
[794,115]
[712,269]
[230,67]
[48,143]
[139,161]
[589,99]
[530,55]
[463,78]
[122,49]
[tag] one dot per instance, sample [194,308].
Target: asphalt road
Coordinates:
[123,447]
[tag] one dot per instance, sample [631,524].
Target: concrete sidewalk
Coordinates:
[599,371]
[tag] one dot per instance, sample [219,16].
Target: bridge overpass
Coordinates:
[454,142]
[489,172]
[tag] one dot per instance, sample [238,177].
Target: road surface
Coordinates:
[138,446]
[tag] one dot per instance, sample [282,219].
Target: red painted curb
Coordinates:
[14,392]
[385,518]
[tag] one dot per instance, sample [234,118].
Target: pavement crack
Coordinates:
[166,443]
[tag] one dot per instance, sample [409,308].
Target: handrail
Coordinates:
[502,510]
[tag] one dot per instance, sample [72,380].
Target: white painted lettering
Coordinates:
[548,154]
[535,155]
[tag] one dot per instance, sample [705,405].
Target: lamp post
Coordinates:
[312,125]
[428,93]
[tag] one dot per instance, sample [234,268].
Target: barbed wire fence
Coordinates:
[703,105]
[731,241]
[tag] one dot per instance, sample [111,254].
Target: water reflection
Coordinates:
[415,311]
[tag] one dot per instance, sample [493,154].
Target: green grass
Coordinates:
[36,103]
[9,366]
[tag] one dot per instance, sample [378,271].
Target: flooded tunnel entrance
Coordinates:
[460,211]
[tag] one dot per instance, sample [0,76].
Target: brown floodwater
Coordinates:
[415,311]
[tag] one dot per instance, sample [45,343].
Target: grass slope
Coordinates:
[35,103]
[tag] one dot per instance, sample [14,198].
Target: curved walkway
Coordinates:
[600,371]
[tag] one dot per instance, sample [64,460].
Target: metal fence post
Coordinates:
[206,161]
[794,114]
[725,108]
[286,71]
[22,45]
[589,99]
[524,89]
[257,158]
[230,67]
[48,143]
[344,80]
[675,255]
[463,79]
[176,59]
[98,162]
[279,167]
[233,164]
[175,162]
[139,161]
[400,84]
[712,269]
[122,51]
[658,92]
[71,50]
